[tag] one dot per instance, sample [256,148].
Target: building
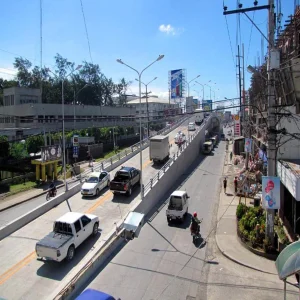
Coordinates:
[158,109]
[23,114]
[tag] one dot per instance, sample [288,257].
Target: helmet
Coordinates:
[195,214]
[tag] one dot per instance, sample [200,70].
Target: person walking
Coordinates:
[235,184]
[225,184]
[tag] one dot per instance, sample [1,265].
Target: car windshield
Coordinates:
[92,180]
[121,175]
[175,203]
[64,228]
[102,175]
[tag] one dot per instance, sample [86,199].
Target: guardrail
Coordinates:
[108,162]
[154,180]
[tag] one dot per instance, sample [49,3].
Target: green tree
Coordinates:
[18,150]
[34,143]
[4,146]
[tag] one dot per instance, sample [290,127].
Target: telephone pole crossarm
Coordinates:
[243,10]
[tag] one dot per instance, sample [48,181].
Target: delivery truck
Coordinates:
[159,149]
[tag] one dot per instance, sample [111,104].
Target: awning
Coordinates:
[288,261]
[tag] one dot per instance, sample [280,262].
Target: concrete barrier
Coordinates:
[37,212]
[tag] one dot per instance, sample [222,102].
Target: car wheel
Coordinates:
[95,229]
[108,183]
[129,192]
[71,253]
[97,192]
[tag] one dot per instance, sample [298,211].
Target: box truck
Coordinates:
[159,148]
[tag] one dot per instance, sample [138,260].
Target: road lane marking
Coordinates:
[17,267]
[25,261]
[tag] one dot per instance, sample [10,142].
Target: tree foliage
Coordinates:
[87,86]
[4,146]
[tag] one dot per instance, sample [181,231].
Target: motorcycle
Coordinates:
[195,232]
[51,194]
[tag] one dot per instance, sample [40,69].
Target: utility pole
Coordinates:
[148,119]
[271,149]
[240,87]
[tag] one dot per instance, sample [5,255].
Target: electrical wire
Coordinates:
[86,31]
[228,32]
[250,39]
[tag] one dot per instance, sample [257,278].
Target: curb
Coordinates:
[239,262]
[28,199]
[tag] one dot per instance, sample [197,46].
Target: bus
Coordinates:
[199,116]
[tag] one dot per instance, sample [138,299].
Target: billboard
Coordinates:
[176,83]
[207,105]
[195,103]
[270,192]
[49,153]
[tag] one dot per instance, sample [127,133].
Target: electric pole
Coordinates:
[240,88]
[148,121]
[271,150]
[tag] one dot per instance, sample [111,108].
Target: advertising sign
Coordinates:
[176,84]
[49,153]
[207,105]
[248,145]
[237,126]
[270,192]
[76,140]
[75,151]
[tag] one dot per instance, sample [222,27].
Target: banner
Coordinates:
[49,153]
[207,105]
[248,145]
[176,84]
[76,140]
[270,192]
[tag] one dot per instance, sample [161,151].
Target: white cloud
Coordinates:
[7,73]
[169,29]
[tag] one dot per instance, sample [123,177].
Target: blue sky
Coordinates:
[192,35]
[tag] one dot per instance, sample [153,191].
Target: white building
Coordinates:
[158,109]
[24,114]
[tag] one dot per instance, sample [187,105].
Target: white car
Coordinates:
[96,182]
[191,126]
[180,138]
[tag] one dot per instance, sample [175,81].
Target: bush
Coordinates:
[241,210]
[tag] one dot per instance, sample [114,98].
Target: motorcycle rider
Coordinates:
[195,226]
[52,189]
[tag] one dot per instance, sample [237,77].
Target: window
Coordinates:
[12,100]
[77,226]
[85,221]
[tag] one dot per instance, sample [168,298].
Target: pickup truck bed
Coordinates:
[54,240]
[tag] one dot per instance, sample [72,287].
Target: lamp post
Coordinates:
[63,121]
[75,101]
[188,83]
[140,96]
[203,89]
[146,85]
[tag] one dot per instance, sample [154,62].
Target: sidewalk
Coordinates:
[226,236]
[22,197]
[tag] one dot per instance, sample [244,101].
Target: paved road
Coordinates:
[145,267]
[13,213]
[36,279]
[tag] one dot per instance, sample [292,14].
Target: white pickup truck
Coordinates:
[178,206]
[69,231]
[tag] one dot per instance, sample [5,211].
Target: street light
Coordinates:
[63,120]
[188,82]
[75,101]
[140,96]
[146,85]
[209,89]
[203,88]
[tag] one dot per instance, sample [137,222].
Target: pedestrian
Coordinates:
[235,184]
[230,156]
[225,184]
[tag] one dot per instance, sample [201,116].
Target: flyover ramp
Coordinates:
[36,279]
[163,262]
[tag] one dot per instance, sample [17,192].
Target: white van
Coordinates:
[191,126]
[178,206]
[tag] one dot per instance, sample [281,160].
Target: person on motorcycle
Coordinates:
[195,227]
[52,189]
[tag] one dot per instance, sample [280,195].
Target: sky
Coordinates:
[193,35]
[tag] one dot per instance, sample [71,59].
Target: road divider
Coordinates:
[45,207]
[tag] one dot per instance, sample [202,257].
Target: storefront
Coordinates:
[289,174]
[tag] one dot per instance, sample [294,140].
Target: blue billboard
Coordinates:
[176,84]
[207,105]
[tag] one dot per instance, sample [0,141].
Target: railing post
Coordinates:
[119,156]
[143,191]
[157,176]
[151,183]
[125,152]
[111,161]
[164,167]
[131,149]
[102,166]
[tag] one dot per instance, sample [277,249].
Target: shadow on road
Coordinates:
[57,271]
[184,225]
[122,198]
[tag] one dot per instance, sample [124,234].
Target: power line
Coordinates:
[250,38]
[230,42]
[86,31]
